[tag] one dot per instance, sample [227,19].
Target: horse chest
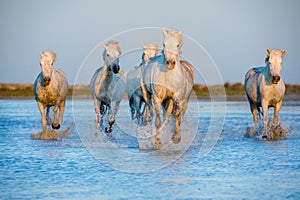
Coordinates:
[272,94]
[47,95]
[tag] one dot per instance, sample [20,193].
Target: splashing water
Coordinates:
[276,132]
[52,134]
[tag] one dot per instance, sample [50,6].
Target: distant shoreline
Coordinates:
[234,92]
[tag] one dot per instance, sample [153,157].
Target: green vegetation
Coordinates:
[82,91]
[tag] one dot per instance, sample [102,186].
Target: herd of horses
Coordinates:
[160,85]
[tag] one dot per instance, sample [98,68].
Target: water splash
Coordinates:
[52,134]
[276,132]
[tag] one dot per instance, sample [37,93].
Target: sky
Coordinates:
[234,34]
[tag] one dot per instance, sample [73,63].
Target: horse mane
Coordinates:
[176,34]
[267,59]
[111,44]
[151,46]
[273,52]
[49,54]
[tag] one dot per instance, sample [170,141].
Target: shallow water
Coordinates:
[221,164]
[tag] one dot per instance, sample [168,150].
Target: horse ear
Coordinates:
[180,32]
[165,32]
[104,46]
[41,54]
[283,52]
[268,51]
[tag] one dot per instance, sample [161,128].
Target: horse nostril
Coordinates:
[116,68]
[275,79]
[46,80]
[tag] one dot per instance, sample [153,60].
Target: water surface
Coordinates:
[84,167]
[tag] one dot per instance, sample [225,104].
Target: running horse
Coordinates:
[50,89]
[108,86]
[133,89]
[265,88]
[168,81]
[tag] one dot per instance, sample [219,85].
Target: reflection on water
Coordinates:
[82,166]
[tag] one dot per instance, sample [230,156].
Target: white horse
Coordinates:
[133,89]
[107,86]
[265,88]
[50,89]
[167,79]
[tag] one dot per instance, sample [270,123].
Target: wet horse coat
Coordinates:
[167,79]
[265,88]
[133,89]
[107,86]
[50,89]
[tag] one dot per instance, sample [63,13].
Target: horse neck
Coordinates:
[106,77]
[267,74]
[107,71]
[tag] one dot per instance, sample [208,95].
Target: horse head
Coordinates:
[172,45]
[47,58]
[274,60]
[149,50]
[111,55]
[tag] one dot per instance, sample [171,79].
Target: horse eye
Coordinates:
[164,45]
[107,55]
[177,45]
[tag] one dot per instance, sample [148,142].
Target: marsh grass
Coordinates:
[82,91]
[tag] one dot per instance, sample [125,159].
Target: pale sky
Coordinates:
[235,34]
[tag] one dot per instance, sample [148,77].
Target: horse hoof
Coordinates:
[264,137]
[108,130]
[55,127]
[176,140]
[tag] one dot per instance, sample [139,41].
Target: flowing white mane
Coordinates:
[48,54]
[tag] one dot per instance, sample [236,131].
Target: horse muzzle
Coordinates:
[46,80]
[275,79]
[115,69]
[170,64]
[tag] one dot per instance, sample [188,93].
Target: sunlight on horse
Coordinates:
[133,89]
[167,81]
[107,86]
[50,89]
[265,88]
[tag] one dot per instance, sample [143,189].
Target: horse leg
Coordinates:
[157,105]
[144,112]
[113,111]
[265,112]
[55,124]
[253,109]
[276,111]
[96,106]
[44,122]
[61,111]
[132,108]
[176,113]
[168,106]
[138,108]
[48,119]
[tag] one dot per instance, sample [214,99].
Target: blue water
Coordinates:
[84,167]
